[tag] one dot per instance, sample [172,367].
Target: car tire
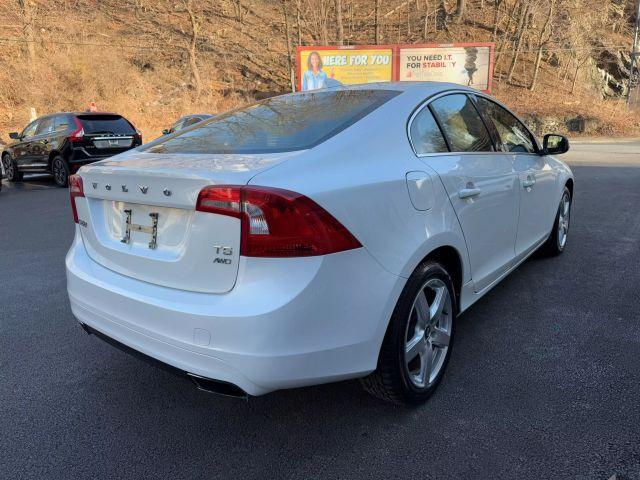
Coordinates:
[60,171]
[11,172]
[557,241]
[416,349]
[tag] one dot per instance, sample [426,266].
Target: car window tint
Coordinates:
[278,124]
[514,136]
[462,124]
[426,135]
[107,124]
[62,123]
[45,126]
[30,130]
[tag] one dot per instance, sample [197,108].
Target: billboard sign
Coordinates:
[465,64]
[320,67]
[468,64]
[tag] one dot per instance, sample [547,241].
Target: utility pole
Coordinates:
[635,54]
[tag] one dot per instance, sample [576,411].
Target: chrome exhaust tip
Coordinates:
[217,386]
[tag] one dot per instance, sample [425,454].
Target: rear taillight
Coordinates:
[137,138]
[75,190]
[277,223]
[78,134]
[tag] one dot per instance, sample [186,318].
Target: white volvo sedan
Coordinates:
[314,237]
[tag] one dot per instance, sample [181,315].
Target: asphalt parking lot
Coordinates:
[544,380]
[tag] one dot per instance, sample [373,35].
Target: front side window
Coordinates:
[514,136]
[30,130]
[462,124]
[278,124]
[426,136]
[177,126]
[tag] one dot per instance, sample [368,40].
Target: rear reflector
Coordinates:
[277,223]
[75,190]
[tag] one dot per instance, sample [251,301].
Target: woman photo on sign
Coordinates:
[314,77]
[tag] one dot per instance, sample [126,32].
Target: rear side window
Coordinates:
[426,136]
[278,124]
[107,124]
[62,123]
[514,136]
[462,124]
[45,126]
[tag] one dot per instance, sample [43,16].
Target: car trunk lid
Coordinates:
[139,217]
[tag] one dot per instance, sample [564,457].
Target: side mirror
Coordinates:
[554,144]
[166,131]
[14,135]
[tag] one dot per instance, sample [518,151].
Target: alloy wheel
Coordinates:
[59,172]
[428,333]
[563,220]
[8,168]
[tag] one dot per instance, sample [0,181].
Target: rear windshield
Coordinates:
[278,124]
[108,124]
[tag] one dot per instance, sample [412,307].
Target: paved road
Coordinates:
[544,381]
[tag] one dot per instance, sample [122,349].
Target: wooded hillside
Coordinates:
[558,62]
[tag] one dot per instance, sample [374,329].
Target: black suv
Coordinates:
[62,142]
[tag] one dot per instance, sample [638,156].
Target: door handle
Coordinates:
[469,192]
[529,182]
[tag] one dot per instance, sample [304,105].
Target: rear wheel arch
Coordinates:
[53,154]
[450,258]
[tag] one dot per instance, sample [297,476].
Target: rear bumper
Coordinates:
[81,156]
[287,323]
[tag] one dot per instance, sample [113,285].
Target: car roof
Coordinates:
[75,113]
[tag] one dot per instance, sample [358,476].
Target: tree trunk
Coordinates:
[542,41]
[339,22]
[460,4]
[323,23]
[575,78]
[377,6]
[193,48]
[496,19]
[298,22]
[441,16]
[288,41]
[519,39]
[27,8]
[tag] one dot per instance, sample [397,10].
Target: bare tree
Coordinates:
[339,22]
[299,21]
[441,16]
[459,13]
[543,40]
[496,19]
[193,46]
[27,8]
[239,10]
[377,31]
[520,32]
[288,42]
